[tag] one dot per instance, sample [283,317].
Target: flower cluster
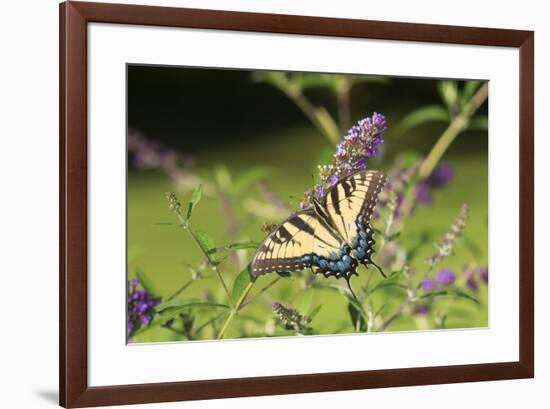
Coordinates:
[399,179]
[292,319]
[145,154]
[148,154]
[140,307]
[446,245]
[443,278]
[440,177]
[474,275]
[361,142]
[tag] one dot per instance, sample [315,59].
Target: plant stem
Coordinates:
[185,225]
[234,310]
[181,289]
[343,100]
[318,116]
[457,125]
[267,287]
[212,265]
[399,311]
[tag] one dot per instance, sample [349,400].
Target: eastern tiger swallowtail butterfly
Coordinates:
[332,238]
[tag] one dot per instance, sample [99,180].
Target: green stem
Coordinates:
[457,125]
[343,100]
[212,265]
[180,290]
[235,309]
[318,116]
[185,224]
[264,289]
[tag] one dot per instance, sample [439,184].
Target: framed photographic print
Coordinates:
[258,204]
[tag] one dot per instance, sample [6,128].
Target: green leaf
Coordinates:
[357,319]
[164,224]
[207,245]
[182,305]
[173,312]
[250,177]
[195,198]
[394,236]
[452,293]
[314,312]
[448,90]
[479,123]
[469,90]
[243,245]
[428,113]
[242,281]
[145,282]
[223,177]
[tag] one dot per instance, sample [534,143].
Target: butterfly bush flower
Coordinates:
[446,245]
[399,179]
[445,277]
[422,309]
[440,177]
[361,142]
[147,154]
[428,284]
[141,306]
[292,319]
[484,274]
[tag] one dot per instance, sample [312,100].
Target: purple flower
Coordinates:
[441,176]
[319,192]
[484,274]
[361,142]
[428,284]
[423,193]
[422,309]
[471,281]
[141,306]
[445,277]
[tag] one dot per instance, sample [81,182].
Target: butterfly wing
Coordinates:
[296,244]
[353,199]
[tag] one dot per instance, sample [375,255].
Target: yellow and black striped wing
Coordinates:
[350,198]
[296,243]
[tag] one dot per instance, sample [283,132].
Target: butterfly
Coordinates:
[332,238]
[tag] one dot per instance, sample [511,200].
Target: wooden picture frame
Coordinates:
[73,229]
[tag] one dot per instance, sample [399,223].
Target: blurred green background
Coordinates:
[230,129]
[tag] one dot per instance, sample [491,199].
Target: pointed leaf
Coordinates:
[195,198]
[448,90]
[243,245]
[428,113]
[250,177]
[145,282]
[470,88]
[357,319]
[242,281]
[452,293]
[207,244]
[479,123]
[314,312]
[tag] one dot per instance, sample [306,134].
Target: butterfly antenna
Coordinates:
[378,268]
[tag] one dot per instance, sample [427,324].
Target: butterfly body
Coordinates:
[332,238]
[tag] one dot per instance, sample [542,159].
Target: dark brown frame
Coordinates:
[73,385]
